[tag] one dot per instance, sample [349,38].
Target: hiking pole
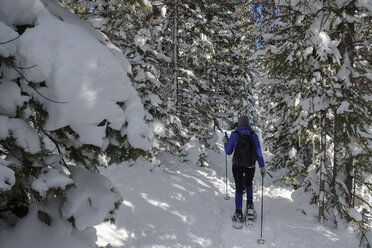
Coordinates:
[261,241]
[269,174]
[227,197]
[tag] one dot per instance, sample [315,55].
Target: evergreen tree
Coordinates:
[231,74]
[52,168]
[319,88]
[180,54]
[147,37]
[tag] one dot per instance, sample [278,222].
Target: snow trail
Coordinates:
[181,205]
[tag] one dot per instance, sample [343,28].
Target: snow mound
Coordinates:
[353,213]
[25,136]
[19,12]
[91,200]
[10,97]
[50,178]
[7,178]
[7,34]
[192,150]
[58,233]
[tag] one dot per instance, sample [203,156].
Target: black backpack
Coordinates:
[245,152]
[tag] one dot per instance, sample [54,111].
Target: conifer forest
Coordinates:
[97,94]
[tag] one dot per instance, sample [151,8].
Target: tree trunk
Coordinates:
[335,154]
[175,56]
[322,175]
[347,50]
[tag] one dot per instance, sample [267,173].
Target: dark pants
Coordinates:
[243,178]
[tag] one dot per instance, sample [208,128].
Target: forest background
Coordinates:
[301,70]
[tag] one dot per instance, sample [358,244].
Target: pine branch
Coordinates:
[5,42]
[364,201]
[25,68]
[11,152]
[30,84]
[368,185]
[57,146]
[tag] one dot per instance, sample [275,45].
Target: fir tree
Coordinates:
[318,88]
[34,157]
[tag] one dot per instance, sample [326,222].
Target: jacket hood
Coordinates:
[244,128]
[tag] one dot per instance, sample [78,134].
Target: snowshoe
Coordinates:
[250,215]
[238,220]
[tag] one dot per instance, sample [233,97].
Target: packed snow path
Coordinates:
[182,205]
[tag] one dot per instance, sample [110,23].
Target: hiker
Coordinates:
[246,153]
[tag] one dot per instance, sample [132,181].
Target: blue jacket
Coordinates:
[233,140]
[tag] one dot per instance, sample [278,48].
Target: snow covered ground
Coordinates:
[180,205]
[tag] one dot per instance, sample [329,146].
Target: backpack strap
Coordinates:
[239,133]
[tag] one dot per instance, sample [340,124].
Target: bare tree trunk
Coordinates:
[349,183]
[335,153]
[175,56]
[322,172]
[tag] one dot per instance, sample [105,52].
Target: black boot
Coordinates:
[238,216]
[250,213]
[238,219]
[250,205]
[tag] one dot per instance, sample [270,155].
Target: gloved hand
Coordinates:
[225,139]
[263,171]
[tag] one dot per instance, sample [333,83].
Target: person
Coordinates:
[243,176]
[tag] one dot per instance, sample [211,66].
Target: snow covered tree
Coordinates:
[187,39]
[230,73]
[138,32]
[64,101]
[214,83]
[148,41]
[320,95]
[174,61]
